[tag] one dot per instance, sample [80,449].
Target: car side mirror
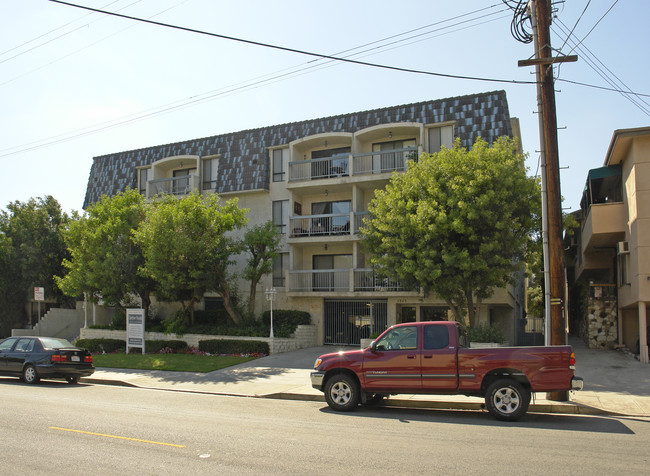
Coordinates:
[376,348]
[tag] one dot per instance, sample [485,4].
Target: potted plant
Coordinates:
[485,335]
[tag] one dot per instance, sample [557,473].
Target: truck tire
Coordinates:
[342,393]
[506,399]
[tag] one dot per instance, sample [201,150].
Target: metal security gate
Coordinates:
[346,322]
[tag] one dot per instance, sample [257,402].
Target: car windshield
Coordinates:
[55,343]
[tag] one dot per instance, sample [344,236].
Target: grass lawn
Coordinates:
[174,362]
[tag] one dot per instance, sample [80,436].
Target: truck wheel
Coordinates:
[507,399]
[342,393]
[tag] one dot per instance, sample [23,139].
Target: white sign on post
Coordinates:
[39,294]
[135,329]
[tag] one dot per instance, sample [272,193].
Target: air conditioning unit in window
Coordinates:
[623,248]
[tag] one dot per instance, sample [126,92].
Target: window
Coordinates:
[182,183]
[280,266]
[338,223]
[434,313]
[213,304]
[210,167]
[623,264]
[143,178]
[436,337]
[337,166]
[280,156]
[387,160]
[439,136]
[280,215]
[331,272]
[6,345]
[400,338]
[25,345]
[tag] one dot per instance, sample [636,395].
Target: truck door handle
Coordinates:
[428,356]
[410,356]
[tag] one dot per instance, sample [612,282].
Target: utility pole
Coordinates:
[545,60]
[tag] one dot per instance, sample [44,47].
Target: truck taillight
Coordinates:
[572,361]
[59,358]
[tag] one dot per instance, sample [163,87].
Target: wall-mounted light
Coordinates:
[325,246]
[326,192]
[390,135]
[325,143]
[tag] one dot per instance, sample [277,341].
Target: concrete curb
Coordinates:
[545,407]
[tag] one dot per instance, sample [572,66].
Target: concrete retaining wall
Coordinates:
[64,323]
[304,337]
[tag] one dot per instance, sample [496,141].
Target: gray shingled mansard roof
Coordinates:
[244,159]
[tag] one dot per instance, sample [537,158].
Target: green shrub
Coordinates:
[118,322]
[215,317]
[486,333]
[154,346]
[102,345]
[231,346]
[285,321]
[176,324]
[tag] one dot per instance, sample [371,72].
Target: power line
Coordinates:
[79,49]
[593,27]
[591,59]
[295,50]
[576,24]
[238,87]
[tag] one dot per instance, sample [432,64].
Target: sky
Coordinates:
[75,84]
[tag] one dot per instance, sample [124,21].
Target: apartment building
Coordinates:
[613,245]
[315,179]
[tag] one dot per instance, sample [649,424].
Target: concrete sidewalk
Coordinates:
[615,383]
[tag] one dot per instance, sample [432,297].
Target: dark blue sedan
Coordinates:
[33,358]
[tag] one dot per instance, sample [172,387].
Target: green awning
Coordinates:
[604,172]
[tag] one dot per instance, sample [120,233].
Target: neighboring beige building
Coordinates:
[613,255]
[315,179]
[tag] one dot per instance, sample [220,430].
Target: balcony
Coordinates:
[328,167]
[340,280]
[183,185]
[309,226]
[604,226]
[383,162]
[338,166]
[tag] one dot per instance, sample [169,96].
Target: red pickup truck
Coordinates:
[435,358]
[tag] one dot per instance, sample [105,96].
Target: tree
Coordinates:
[261,242]
[456,223]
[187,248]
[105,259]
[31,252]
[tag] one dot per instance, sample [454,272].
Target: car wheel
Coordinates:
[30,375]
[507,399]
[72,380]
[342,393]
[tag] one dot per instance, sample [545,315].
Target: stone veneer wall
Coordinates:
[304,337]
[602,322]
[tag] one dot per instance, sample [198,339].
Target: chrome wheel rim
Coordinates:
[506,400]
[30,374]
[341,393]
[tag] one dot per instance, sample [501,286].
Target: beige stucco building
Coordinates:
[315,179]
[613,254]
